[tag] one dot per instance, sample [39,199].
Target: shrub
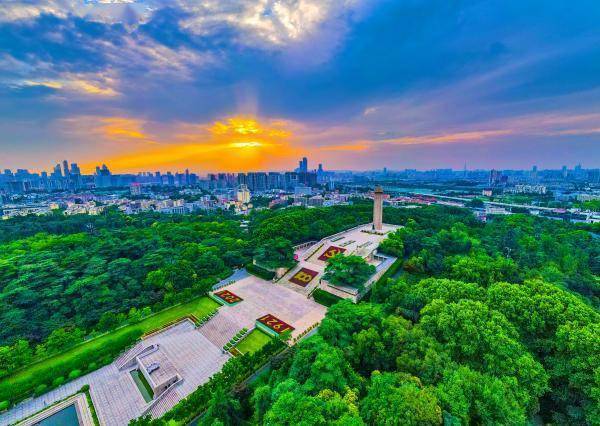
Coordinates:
[24,382]
[41,389]
[260,272]
[74,374]
[58,381]
[4,406]
[92,366]
[84,388]
[325,298]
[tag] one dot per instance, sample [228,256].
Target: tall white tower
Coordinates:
[378,209]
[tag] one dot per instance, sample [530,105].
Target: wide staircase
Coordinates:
[220,329]
[167,401]
[125,358]
[305,291]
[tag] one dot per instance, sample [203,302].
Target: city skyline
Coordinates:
[149,85]
[305,166]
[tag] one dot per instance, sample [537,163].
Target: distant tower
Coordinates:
[378,209]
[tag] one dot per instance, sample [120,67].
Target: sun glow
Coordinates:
[249,144]
[231,144]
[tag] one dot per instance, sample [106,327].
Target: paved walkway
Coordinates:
[195,353]
[263,297]
[238,274]
[115,395]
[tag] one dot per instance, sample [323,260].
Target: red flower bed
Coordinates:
[275,324]
[303,277]
[330,252]
[228,297]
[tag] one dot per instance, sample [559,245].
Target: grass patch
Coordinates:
[142,385]
[253,341]
[30,374]
[90,403]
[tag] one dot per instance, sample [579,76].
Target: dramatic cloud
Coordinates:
[353,84]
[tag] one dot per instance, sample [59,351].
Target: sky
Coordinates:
[219,85]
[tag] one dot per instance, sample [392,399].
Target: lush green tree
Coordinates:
[275,253]
[352,271]
[394,399]
[224,409]
[576,366]
[393,244]
[479,398]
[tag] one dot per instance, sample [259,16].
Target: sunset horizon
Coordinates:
[141,84]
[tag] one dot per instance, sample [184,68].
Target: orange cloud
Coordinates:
[234,144]
[347,147]
[122,129]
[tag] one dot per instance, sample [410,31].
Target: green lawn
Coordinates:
[199,307]
[142,385]
[253,341]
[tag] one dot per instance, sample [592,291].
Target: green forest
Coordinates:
[65,279]
[494,323]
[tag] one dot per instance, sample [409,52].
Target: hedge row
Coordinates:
[235,339]
[325,298]
[260,272]
[56,372]
[305,332]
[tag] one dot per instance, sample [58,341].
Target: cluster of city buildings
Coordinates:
[66,189]
[67,176]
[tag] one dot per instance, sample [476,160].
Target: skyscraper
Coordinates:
[66,168]
[303,165]
[243,194]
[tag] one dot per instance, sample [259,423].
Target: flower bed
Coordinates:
[227,297]
[330,252]
[303,277]
[273,325]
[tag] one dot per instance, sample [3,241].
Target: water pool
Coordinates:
[65,417]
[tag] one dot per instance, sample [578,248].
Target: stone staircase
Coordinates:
[167,401]
[220,329]
[128,354]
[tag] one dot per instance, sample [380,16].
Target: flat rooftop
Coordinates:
[158,366]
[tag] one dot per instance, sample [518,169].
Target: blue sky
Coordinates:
[244,85]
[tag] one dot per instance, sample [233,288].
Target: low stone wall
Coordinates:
[84,415]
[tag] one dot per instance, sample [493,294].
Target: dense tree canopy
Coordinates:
[352,271]
[60,287]
[275,253]
[487,324]
[494,323]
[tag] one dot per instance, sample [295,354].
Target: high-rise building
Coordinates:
[275,180]
[243,194]
[303,165]
[103,178]
[57,173]
[66,168]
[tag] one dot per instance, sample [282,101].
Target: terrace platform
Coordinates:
[360,241]
[260,298]
[114,393]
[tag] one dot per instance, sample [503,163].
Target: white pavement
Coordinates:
[359,241]
[263,297]
[116,397]
[195,353]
